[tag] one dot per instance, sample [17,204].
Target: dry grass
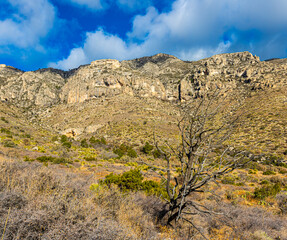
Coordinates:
[50,203]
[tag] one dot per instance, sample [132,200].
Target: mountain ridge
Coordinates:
[161,76]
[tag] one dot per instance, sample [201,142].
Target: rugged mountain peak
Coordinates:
[156,59]
[225,59]
[106,63]
[161,76]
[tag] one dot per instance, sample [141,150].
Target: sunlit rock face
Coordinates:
[161,76]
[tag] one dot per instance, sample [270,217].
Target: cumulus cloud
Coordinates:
[91,4]
[126,5]
[132,5]
[31,21]
[98,45]
[195,29]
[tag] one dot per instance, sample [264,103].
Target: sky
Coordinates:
[65,34]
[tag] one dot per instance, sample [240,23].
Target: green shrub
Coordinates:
[4,120]
[264,182]
[5,130]
[84,143]
[9,144]
[64,138]
[156,153]
[147,148]
[229,180]
[93,140]
[26,135]
[266,191]
[55,160]
[133,181]
[103,141]
[125,150]
[90,159]
[67,144]
[269,172]
[132,153]
[251,171]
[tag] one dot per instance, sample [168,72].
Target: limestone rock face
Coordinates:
[161,76]
[29,88]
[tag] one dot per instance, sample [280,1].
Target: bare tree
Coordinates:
[202,153]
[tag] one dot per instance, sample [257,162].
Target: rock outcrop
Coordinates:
[161,76]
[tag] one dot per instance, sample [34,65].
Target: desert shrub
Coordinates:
[156,153]
[65,141]
[90,159]
[229,180]
[54,138]
[67,144]
[103,140]
[26,135]
[9,144]
[147,148]
[133,181]
[269,172]
[5,130]
[93,140]
[280,180]
[64,138]
[84,143]
[264,182]
[49,204]
[132,153]
[266,191]
[4,120]
[282,202]
[125,150]
[55,160]
[252,171]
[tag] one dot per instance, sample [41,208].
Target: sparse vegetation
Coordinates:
[267,191]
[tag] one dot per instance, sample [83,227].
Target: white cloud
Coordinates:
[98,45]
[132,5]
[194,29]
[31,21]
[126,5]
[91,4]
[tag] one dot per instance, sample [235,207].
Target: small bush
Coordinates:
[147,148]
[269,172]
[67,144]
[26,135]
[156,153]
[93,140]
[5,130]
[84,143]
[4,120]
[266,191]
[133,181]
[64,138]
[264,182]
[282,202]
[132,153]
[229,180]
[125,150]
[55,160]
[9,144]
[90,159]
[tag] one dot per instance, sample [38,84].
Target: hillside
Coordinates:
[98,119]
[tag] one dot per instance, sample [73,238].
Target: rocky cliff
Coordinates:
[161,76]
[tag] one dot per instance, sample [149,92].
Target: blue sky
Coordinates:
[67,33]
